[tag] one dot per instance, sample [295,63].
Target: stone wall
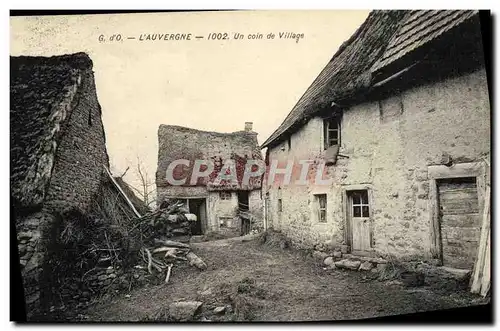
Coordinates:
[81,153]
[389,145]
[32,233]
[75,180]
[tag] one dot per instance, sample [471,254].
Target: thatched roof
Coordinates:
[41,92]
[136,201]
[176,142]
[383,38]
[419,28]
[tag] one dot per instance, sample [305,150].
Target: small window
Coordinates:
[332,131]
[321,207]
[224,195]
[280,205]
[360,205]
[226,222]
[289,142]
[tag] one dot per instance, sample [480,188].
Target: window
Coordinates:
[226,222]
[332,131]
[289,142]
[280,205]
[224,195]
[321,204]
[360,206]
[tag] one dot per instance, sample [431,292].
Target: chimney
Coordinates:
[248,126]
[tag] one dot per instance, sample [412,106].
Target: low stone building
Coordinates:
[220,206]
[399,121]
[57,156]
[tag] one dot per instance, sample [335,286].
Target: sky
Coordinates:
[213,85]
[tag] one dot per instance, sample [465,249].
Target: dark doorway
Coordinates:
[198,207]
[243,209]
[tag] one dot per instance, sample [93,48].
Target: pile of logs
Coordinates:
[166,253]
[171,220]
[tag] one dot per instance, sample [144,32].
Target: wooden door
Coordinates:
[359,213]
[459,221]
[203,216]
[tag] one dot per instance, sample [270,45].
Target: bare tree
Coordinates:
[146,190]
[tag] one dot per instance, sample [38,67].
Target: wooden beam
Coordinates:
[121,191]
[482,263]
[473,169]
[434,221]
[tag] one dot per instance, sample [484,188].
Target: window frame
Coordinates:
[225,195]
[362,203]
[319,209]
[327,131]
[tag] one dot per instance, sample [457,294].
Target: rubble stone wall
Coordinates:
[388,146]
[81,153]
[75,180]
[32,232]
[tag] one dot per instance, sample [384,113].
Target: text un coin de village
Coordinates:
[189,36]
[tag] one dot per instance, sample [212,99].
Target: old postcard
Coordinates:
[237,166]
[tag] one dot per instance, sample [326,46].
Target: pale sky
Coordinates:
[203,84]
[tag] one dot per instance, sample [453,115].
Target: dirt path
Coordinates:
[262,283]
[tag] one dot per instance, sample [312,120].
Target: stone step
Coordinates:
[377,260]
[456,273]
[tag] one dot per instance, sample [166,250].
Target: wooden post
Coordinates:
[482,264]
[121,191]
[434,218]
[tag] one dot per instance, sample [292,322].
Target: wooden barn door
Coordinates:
[459,221]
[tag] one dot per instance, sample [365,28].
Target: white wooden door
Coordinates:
[359,214]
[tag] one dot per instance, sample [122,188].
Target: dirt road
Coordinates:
[261,283]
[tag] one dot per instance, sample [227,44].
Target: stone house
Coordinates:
[399,121]
[221,206]
[57,152]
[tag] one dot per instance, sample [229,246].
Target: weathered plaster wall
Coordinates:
[256,208]
[81,153]
[221,208]
[389,145]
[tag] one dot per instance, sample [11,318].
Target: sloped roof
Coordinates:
[136,201]
[383,38]
[347,71]
[176,142]
[418,28]
[41,92]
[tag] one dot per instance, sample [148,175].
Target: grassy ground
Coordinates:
[257,282]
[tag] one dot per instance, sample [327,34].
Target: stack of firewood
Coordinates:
[159,252]
[170,220]
[166,254]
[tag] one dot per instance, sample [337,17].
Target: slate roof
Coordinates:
[177,142]
[41,91]
[384,37]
